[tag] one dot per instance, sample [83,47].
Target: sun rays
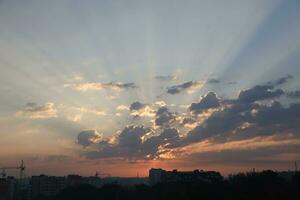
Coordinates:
[144,68]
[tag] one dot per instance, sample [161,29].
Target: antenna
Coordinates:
[296,167]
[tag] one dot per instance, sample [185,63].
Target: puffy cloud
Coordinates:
[127,144]
[156,145]
[88,137]
[210,100]
[137,106]
[35,111]
[189,86]
[238,121]
[131,143]
[132,136]
[189,122]
[100,86]
[259,92]
[231,122]
[139,109]
[164,117]
[264,92]
[294,94]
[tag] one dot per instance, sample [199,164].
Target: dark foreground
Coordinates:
[252,186]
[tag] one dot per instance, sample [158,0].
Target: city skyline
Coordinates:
[120,87]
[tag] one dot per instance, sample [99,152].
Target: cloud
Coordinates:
[137,106]
[122,107]
[255,150]
[88,137]
[139,109]
[164,117]
[255,116]
[91,111]
[160,103]
[131,143]
[35,111]
[156,145]
[101,86]
[294,94]
[264,92]
[213,80]
[239,121]
[75,118]
[189,122]
[189,86]
[210,100]
[166,78]
[127,144]
[281,80]
[259,92]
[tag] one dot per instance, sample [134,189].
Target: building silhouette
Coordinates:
[7,188]
[160,176]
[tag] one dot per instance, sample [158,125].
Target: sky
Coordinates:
[120,86]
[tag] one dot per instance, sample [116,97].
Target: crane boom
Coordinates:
[21,168]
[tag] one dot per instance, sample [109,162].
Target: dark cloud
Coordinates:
[247,120]
[210,100]
[188,120]
[137,106]
[252,115]
[184,86]
[151,145]
[166,78]
[218,123]
[294,94]
[130,143]
[281,80]
[138,109]
[263,92]
[121,85]
[164,117]
[88,137]
[35,111]
[131,136]
[259,92]
[100,86]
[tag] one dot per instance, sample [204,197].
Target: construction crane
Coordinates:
[21,168]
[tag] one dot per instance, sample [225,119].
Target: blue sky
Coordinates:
[71,67]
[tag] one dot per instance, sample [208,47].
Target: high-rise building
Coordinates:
[160,176]
[47,185]
[7,188]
